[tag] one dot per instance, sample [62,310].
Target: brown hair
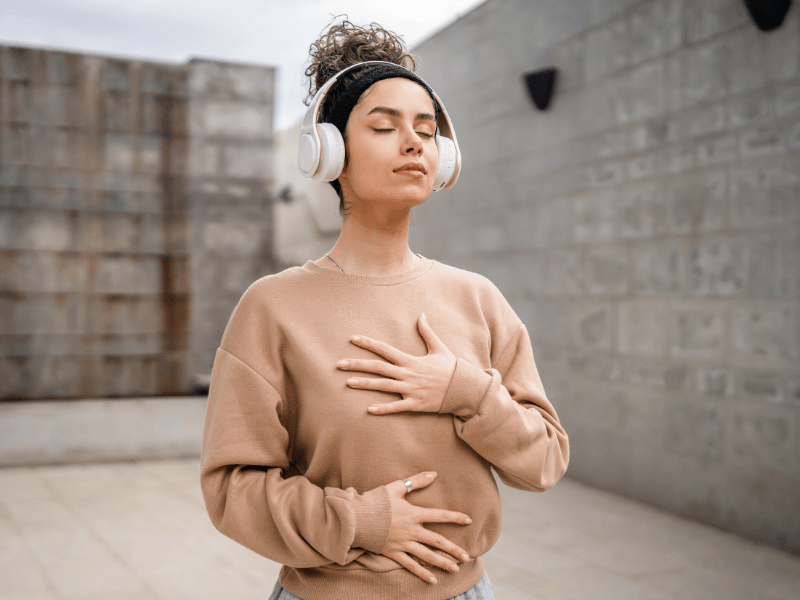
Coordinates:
[345,44]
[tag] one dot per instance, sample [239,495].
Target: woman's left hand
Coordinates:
[422,381]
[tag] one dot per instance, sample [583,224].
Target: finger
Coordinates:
[427,333]
[430,557]
[434,540]
[410,564]
[435,515]
[418,481]
[390,353]
[409,404]
[422,480]
[381,367]
[384,385]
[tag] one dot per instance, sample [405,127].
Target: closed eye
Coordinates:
[421,133]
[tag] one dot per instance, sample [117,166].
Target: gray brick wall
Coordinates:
[108,281]
[646,228]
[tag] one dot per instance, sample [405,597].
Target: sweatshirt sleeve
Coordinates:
[503,414]
[250,499]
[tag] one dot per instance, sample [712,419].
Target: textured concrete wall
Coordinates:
[231,154]
[647,230]
[99,220]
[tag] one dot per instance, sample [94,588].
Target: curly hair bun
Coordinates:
[346,44]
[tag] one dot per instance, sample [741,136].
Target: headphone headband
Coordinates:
[311,146]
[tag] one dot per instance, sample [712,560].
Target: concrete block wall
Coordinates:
[231,180]
[646,228]
[98,225]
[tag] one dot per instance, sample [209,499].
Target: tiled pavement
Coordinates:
[139,531]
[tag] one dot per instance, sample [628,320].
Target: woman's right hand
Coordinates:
[408,536]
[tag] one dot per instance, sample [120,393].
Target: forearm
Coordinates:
[244,457]
[508,420]
[292,521]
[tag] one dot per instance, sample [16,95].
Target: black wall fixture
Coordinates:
[768,14]
[541,85]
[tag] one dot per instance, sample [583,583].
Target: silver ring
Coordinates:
[409,487]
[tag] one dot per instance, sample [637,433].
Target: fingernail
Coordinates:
[430,475]
[433,579]
[454,567]
[344,363]
[424,317]
[465,557]
[355,338]
[468,521]
[352,381]
[373,409]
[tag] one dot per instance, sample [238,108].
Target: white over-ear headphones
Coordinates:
[321,151]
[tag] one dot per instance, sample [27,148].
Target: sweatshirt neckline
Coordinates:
[423,266]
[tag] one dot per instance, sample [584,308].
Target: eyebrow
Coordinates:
[393,112]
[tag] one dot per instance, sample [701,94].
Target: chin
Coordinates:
[401,195]
[414,192]
[413,198]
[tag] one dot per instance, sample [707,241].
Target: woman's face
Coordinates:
[390,145]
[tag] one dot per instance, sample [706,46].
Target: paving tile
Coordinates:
[140,531]
[53,546]
[597,583]
[204,584]
[512,583]
[23,484]
[12,544]
[74,579]
[260,582]
[108,512]
[177,564]
[558,535]
[36,595]
[80,479]
[629,559]
[40,513]
[21,575]
[701,584]
[140,594]
[140,546]
[519,552]
[183,518]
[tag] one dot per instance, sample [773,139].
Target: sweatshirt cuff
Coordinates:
[468,388]
[373,511]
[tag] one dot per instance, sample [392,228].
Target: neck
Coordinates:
[372,244]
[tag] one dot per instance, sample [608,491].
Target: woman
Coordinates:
[358,403]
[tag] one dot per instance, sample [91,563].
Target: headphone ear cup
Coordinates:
[446,167]
[306,154]
[331,156]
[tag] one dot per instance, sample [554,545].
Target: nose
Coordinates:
[412,144]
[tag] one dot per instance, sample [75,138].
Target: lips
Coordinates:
[411,167]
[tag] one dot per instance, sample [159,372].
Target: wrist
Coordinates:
[373,519]
[467,389]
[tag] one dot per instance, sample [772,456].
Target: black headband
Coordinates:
[337,109]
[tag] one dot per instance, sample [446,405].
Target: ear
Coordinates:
[343,172]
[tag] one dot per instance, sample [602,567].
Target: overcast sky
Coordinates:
[262,31]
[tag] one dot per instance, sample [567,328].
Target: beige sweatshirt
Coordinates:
[293,464]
